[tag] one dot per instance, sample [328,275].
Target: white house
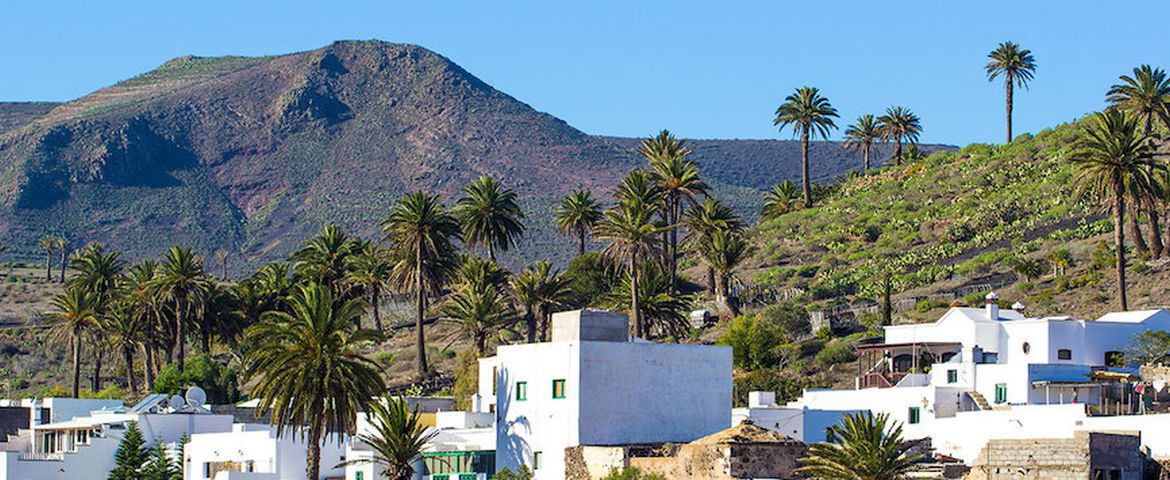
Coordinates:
[977,374]
[593,385]
[253,451]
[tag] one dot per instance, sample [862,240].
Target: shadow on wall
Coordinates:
[509,439]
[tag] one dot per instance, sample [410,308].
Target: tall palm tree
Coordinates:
[48,244]
[678,180]
[1146,96]
[490,216]
[421,229]
[663,312]
[369,270]
[1017,67]
[863,446]
[63,253]
[782,199]
[724,251]
[181,279]
[577,215]
[899,125]
[702,221]
[73,316]
[308,371]
[809,114]
[478,312]
[538,288]
[1115,164]
[398,438]
[324,258]
[98,272]
[124,331]
[630,231]
[860,137]
[222,256]
[143,302]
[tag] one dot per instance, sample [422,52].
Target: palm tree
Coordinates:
[421,228]
[308,371]
[98,272]
[1146,96]
[861,136]
[899,125]
[124,331]
[1114,160]
[678,180]
[325,257]
[142,301]
[809,114]
[663,312]
[398,438]
[862,447]
[703,220]
[724,251]
[490,216]
[222,256]
[538,288]
[73,316]
[577,215]
[631,233]
[369,270]
[1017,67]
[48,244]
[782,199]
[478,312]
[181,280]
[63,252]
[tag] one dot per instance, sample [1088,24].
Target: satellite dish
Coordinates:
[177,402]
[196,397]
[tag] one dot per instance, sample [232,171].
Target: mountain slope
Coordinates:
[253,155]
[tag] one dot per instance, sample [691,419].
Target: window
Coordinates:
[495,377]
[1064,354]
[521,391]
[1114,359]
[914,416]
[1000,393]
[559,388]
[359,475]
[1027,348]
[536,457]
[952,376]
[206,469]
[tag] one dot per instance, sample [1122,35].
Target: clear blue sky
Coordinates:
[703,69]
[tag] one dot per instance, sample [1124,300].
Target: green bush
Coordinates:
[786,385]
[789,318]
[202,371]
[632,473]
[835,352]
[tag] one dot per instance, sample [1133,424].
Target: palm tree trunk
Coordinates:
[723,297]
[674,205]
[580,241]
[1157,247]
[375,296]
[181,332]
[634,310]
[420,310]
[96,381]
[491,251]
[865,155]
[148,365]
[804,168]
[898,150]
[128,357]
[61,271]
[1119,243]
[1139,241]
[710,280]
[530,319]
[313,457]
[76,366]
[48,265]
[1010,95]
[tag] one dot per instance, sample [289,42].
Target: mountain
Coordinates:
[254,154]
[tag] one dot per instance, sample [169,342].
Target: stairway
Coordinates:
[979,400]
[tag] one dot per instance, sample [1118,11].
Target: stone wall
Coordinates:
[1088,455]
[698,462]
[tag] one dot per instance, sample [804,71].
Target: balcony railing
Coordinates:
[41,457]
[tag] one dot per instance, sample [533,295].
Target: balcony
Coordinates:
[41,457]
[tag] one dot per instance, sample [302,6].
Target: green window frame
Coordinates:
[952,376]
[558,388]
[536,458]
[521,391]
[914,416]
[359,475]
[1001,393]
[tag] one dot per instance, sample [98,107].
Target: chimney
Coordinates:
[992,306]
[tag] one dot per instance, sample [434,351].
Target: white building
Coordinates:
[83,446]
[592,385]
[254,452]
[977,374]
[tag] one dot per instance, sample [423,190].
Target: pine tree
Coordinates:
[160,465]
[130,456]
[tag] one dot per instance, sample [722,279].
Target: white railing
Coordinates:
[41,457]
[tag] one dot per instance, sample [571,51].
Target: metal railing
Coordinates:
[41,457]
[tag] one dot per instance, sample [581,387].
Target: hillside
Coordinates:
[252,155]
[953,220]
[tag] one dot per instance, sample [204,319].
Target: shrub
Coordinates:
[1139,267]
[203,371]
[632,473]
[590,277]
[787,386]
[466,378]
[751,341]
[835,352]
[791,319]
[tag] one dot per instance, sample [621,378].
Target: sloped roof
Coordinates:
[745,433]
[1136,316]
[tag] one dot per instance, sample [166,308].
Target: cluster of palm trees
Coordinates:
[56,249]
[1117,156]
